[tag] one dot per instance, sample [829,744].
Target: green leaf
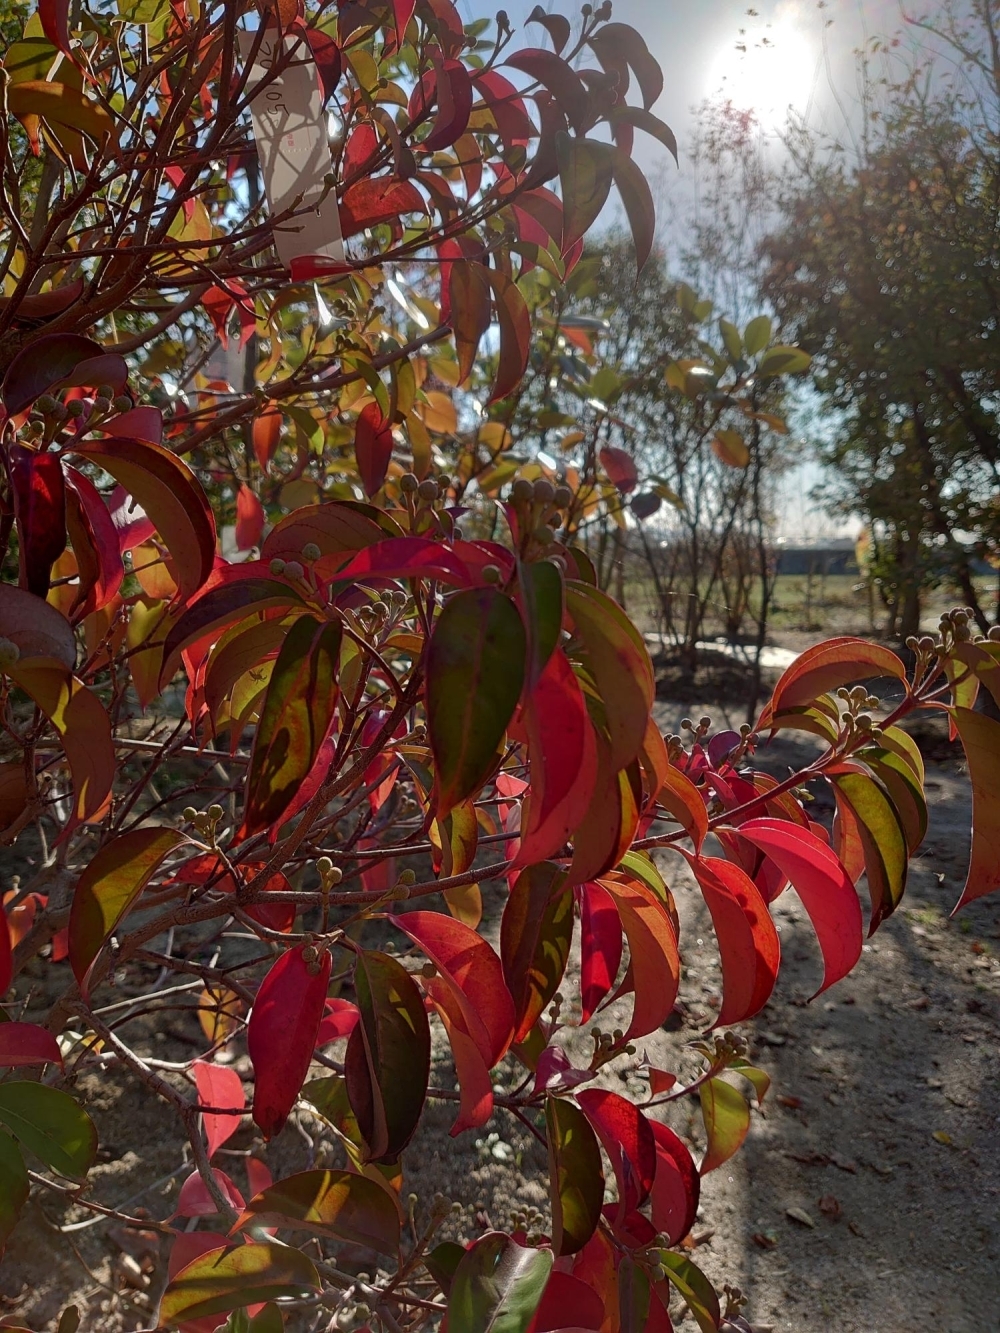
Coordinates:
[693,1287]
[227,1279]
[882,839]
[14,1186]
[50,1124]
[340,1204]
[616,656]
[535,936]
[497,1286]
[585,174]
[541,587]
[295,719]
[731,340]
[387,1064]
[757,335]
[109,886]
[443,1261]
[475,671]
[904,789]
[784,361]
[727,1120]
[576,1176]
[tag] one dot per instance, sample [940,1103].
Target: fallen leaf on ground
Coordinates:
[801,1216]
[942,1136]
[830,1207]
[767,1240]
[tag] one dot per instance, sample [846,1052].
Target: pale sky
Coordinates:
[796,51]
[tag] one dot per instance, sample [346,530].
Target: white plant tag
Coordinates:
[289,126]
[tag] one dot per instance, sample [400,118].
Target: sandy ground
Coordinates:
[882,1129]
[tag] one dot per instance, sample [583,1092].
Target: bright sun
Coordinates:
[769,72]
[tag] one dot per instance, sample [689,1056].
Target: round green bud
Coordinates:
[407,877]
[522,491]
[491,573]
[324,865]
[543,492]
[277,565]
[311,552]
[215,811]
[9,654]
[428,490]
[45,403]
[122,403]
[408,483]
[293,570]
[190,813]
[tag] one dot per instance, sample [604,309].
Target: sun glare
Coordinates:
[768,71]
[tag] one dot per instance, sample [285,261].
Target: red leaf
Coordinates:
[42,364]
[40,507]
[281,1033]
[6,961]
[475,1084]
[559,78]
[823,885]
[372,448]
[377,199]
[402,11]
[25,1043]
[748,940]
[339,1020]
[826,667]
[171,495]
[621,469]
[981,739]
[562,750]
[515,334]
[469,313]
[450,85]
[221,1086]
[266,437]
[473,971]
[194,1199]
[654,965]
[406,558]
[249,519]
[326,54]
[567,1303]
[676,1188]
[600,947]
[627,1138]
[506,106]
[95,544]
[681,798]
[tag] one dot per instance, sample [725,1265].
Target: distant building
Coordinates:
[832,557]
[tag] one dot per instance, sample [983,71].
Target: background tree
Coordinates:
[885,268]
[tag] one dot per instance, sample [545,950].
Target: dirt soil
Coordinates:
[881,1131]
